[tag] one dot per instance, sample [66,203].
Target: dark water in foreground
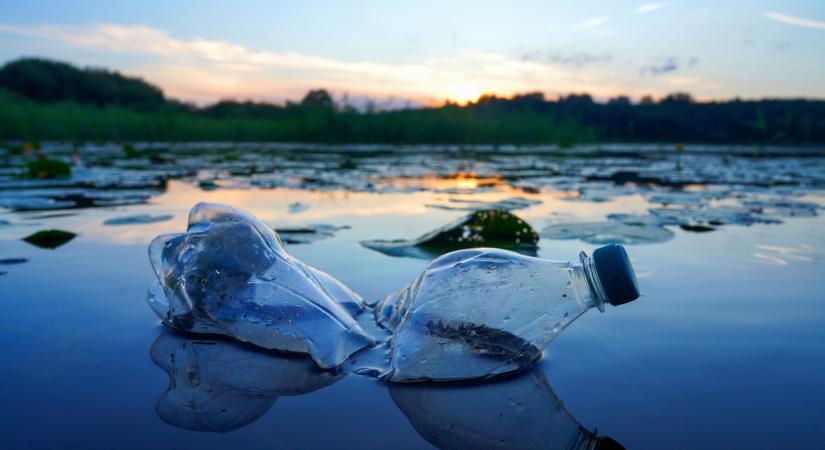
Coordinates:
[724,350]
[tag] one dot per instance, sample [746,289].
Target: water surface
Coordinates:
[724,350]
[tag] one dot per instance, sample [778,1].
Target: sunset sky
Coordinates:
[425,52]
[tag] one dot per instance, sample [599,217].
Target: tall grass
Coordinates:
[27,120]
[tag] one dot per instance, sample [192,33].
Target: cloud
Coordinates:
[669,64]
[205,70]
[795,21]
[650,7]
[662,66]
[573,59]
[593,22]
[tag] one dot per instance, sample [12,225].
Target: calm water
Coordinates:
[724,350]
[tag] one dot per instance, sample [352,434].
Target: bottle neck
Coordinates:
[594,285]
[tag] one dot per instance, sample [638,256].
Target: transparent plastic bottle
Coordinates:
[230,274]
[482,312]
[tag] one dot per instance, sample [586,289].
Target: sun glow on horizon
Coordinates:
[463,94]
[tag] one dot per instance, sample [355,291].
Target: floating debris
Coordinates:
[509,204]
[489,228]
[308,234]
[609,232]
[50,239]
[277,301]
[138,219]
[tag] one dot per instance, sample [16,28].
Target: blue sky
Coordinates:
[428,51]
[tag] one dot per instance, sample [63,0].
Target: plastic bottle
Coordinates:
[482,312]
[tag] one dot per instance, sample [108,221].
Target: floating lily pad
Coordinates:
[308,234]
[676,198]
[785,207]
[9,261]
[297,207]
[48,169]
[137,219]
[712,216]
[489,228]
[508,204]
[609,232]
[50,238]
[696,228]
[208,184]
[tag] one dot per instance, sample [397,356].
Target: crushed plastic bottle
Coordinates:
[483,312]
[229,274]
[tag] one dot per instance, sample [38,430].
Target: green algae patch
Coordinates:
[50,239]
[489,228]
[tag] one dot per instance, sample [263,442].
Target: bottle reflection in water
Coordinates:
[483,312]
[218,385]
[521,412]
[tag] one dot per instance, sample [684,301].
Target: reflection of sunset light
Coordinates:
[340,207]
[466,183]
[463,181]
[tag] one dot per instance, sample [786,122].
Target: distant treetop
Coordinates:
[51,81]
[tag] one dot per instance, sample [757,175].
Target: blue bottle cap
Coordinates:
[616,274]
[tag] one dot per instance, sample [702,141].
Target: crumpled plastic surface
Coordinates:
[229,274]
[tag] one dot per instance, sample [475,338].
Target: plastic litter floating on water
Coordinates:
[488,228]
[229,274]
[483,312]
[138,219]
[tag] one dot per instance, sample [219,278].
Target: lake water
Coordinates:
[725,349]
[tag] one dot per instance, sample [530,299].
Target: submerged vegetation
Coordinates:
[47,100]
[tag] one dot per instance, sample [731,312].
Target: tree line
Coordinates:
[44,99]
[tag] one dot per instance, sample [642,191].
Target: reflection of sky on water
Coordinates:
[724,350]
